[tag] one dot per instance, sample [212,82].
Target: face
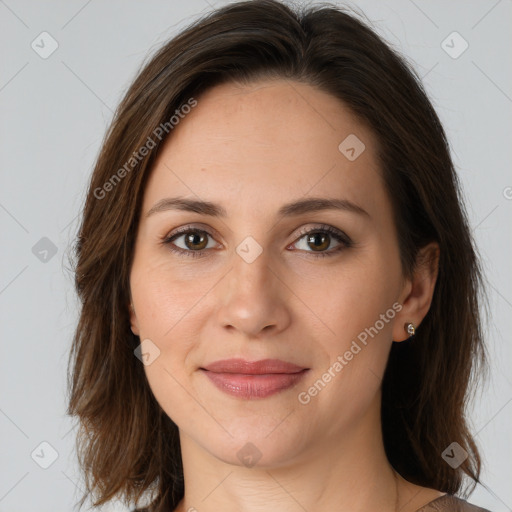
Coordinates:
[251,283]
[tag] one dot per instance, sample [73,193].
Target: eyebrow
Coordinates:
[298,207]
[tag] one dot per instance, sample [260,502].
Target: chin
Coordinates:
[252,446]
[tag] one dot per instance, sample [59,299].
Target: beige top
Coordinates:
[450,503]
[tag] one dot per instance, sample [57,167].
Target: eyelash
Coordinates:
[339,236]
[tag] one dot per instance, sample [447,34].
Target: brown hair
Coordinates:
[127,445]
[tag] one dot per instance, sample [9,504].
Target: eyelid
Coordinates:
[192,227]
[322,227]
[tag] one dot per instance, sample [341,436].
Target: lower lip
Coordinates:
[254,386]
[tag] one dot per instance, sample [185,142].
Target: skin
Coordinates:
[252,149]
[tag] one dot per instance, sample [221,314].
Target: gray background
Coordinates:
[54,113]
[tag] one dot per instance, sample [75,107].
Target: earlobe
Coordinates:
[419,294]
[408,328]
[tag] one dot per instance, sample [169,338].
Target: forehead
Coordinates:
[257,146]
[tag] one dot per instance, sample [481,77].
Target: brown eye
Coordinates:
[196,240]
[193,242]
[318,241]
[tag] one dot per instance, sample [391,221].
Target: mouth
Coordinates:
[253,380]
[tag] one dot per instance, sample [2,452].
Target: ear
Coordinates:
[134,324]
[418,291]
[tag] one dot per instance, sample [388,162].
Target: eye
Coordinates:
[319,239]
[194,241]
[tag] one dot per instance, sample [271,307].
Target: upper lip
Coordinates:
[264,366]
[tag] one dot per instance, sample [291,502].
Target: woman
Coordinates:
[280,293]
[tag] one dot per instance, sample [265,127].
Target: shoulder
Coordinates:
[450,503]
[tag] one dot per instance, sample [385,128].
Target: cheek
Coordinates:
[163,295]
[352,297]
[164,318]
[346,382]
[357,303]
[163,305]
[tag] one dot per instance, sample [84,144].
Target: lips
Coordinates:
[253,379]
[264,366]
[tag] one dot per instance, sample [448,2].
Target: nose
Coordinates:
[252,297]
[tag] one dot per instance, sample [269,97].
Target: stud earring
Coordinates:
[410,329]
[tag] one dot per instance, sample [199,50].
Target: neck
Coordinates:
[348,472]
